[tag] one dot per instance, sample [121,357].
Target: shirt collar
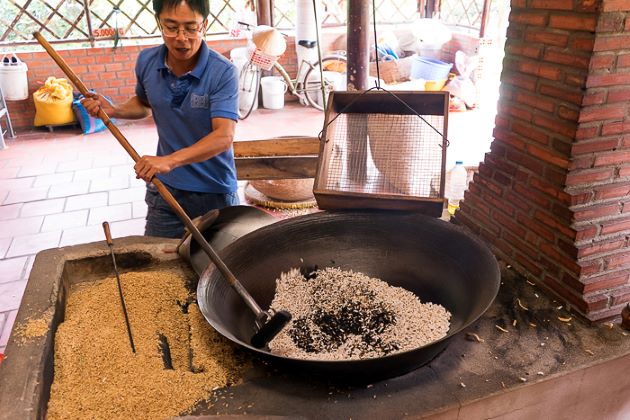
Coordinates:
[197,72]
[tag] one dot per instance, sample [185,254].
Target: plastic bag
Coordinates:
[88,123]
[462,85]
[53,103]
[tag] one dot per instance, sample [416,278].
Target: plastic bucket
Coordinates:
[273,89]
[13,78]
[429,68]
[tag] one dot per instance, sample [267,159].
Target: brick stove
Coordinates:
[552,194]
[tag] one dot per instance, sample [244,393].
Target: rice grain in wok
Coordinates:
[344,315]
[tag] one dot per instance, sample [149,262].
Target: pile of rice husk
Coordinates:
[98,377]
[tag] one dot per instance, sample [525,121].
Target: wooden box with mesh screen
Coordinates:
[383,150]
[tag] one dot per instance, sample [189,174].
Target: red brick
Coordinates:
[545,71]
[595,98]
[621,260]
[609,191]
[499,204]
[595,113]
[621,296]
[617,226]
[515,110]
[530,133]
[536,227]
[604,80]
[508,224]
[555,126]
[526,161]
[568,113]
[610,22]
[610,129]
[613,158]
[603,61]
[551,4]
[517,200]
[508,138]
[586,233]
[544,187]
[554,223]
[569,58]
[532,196]
[589,176]
[598,303]
[548,156]
[529,18]
[520,80]
[573,22]
[586,132]
[616,6]
[608,43]
[502,179]
[623,60]
[490,185]
[552,253]
[573,96]
[573,79]
[582,43]
[600,248]
[535,101]
[619,95]
[596,212]
[590,267]
[547,38]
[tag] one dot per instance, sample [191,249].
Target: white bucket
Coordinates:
[273,89]
[13,78]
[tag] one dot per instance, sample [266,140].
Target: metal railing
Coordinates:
[88,21]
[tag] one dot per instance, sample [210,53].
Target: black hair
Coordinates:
[200,6]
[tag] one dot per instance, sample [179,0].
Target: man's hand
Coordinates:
[148,166]
[93,102]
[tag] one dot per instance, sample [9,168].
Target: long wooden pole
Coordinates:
[164,192]
[358,45]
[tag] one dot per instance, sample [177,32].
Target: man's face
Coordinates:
[182,30]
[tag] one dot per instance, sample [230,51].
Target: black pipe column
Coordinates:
[358,44]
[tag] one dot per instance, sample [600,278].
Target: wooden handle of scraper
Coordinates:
[164,192]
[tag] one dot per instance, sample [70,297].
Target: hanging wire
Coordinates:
[378,88]
[378,70]
[319,57]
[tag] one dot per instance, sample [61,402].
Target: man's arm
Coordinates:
[132,109]
[213,144]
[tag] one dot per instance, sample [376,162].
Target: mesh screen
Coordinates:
[385,154]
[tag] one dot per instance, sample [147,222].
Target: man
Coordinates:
[192,93]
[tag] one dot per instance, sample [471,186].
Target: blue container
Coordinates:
[429,68]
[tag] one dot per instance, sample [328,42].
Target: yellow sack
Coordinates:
[53,103]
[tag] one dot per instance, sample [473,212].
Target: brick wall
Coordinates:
[110,72]
[550,194]
[599,175]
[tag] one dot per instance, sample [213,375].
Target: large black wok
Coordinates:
[436,260]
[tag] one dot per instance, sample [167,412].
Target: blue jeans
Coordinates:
[164,222]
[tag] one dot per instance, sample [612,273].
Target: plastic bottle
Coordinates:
[456,186]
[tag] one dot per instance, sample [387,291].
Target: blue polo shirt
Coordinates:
[183,108]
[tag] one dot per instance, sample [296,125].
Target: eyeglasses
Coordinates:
[191,31]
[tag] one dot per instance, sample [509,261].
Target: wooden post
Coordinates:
[264,12]
[484,18]
[358,45]
[357,78]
